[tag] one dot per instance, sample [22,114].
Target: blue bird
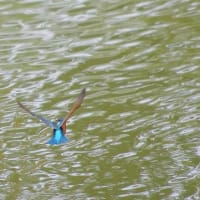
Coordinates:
[59,127]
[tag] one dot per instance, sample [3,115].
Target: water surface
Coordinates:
[136,135]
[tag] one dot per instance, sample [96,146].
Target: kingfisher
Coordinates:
[60,126]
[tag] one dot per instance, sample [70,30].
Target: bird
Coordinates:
[60,126]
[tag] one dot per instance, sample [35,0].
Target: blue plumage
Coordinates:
[58,137]
[59,128]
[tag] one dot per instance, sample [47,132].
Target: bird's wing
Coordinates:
[75,106]
[42,119]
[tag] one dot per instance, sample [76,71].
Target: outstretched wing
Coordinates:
[44,120]
[75,106]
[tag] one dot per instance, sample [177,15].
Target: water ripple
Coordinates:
[136,134]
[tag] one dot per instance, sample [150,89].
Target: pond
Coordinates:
[136,135]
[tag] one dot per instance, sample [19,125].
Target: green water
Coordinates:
[136,136]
